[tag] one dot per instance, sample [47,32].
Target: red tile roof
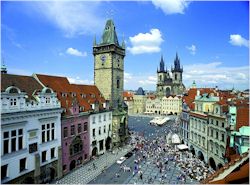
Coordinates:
[242,118]
[25,83]
[128,96]
[85,94]
[242,173]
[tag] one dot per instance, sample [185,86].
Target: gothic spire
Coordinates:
[94,43]
[162,65]
[109,35]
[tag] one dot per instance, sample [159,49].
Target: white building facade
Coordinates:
[30,132]
[100,129]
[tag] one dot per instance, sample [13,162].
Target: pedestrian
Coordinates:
[94,167]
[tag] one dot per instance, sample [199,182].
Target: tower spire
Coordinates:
[94,43]
[162,65]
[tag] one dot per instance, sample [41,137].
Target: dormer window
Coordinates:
[64,94]
[73,94]
[92,95]
[13,102]
[13,90]
[92,106]
[83,95]
[82,108]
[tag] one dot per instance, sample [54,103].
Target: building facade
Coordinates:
[199,124]
[167,85]
[128,99]
[109,65]
[30,131]
[139,101]
[217,135]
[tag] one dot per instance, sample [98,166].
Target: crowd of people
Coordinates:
[154,150]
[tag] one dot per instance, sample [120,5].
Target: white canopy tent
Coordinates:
[182,147]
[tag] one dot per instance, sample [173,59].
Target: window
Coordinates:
[52,153]
[22,164]
[118,83]
[93,119]
[222,137]
[85,156]
[222,124]
[4,169]
[79,128]
[72,130]
[109,127]
[48,132]
[109,116]
[217,135]
[93,132]
[217,123]
[15,140]
[13,102]
[211,133]
[101,145]
[104,129]
[85,126]
[47,100]
[175,76]
[43,156]
[104,117]
[65,132]
[100,118]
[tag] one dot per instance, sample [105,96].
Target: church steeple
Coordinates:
[109,35]
[177,66]
[162,65]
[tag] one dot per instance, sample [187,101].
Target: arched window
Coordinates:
[160,78]
[175,76]
[13,90]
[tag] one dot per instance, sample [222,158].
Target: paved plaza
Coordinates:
[109,172]
[86,173]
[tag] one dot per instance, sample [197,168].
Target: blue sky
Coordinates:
[56,38]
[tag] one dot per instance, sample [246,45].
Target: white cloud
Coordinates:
[192,49]
[171,6]
[238,40]
[77,80]
[127,77]
[75,52]
[148,80]
[214,73]
[146,42]
[74,18]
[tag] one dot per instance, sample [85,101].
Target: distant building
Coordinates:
[139,99]
[129,100]
[30,131]
[167,85]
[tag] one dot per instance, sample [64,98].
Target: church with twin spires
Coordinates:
[169,84]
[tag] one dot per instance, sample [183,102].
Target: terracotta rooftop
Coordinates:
[67,93]
[242,118]
[234,175]
[25,83]
[128,95]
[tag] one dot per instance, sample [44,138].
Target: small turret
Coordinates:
[123,43]
[162,65]
[3,68]
[94,43]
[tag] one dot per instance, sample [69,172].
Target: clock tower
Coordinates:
[109,76]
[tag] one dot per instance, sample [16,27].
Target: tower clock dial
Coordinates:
[103,58]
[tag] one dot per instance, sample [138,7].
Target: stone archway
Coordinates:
[211,163]
[200,156]
[94,151]
[52,174]
[108,143]
[72,165]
